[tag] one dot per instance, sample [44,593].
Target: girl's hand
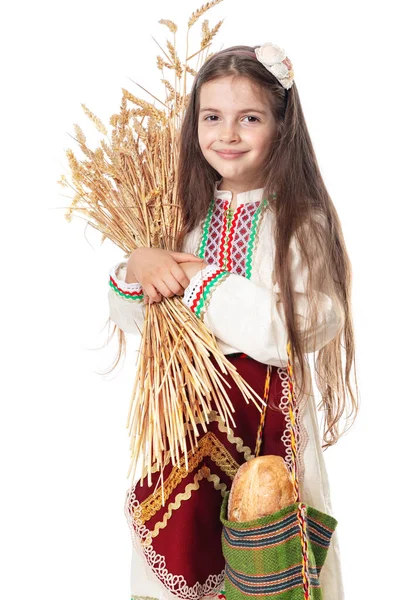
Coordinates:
[189,268]
[192,268]
[159,272]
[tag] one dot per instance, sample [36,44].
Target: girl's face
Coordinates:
[235,130]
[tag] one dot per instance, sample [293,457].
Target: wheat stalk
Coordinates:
[126,189]
[200,11]
[170,24]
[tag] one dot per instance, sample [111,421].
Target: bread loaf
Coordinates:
[261,487]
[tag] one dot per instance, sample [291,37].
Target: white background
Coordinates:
[64,446]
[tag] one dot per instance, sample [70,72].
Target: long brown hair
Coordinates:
[304,215]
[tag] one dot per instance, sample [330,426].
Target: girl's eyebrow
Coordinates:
[262,112]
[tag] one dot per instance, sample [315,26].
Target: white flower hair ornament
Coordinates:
[275,60]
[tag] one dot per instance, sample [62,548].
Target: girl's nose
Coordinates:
[229,135]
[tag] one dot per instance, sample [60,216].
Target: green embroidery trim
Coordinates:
[127,296]
[252,238]
[206,228]
[230,213]
[206,293]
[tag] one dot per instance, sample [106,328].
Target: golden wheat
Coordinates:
[170,24]
[208,35]
[99,125]
[126,190]
[190,70]
[200,11]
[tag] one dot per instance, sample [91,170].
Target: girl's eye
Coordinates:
[251,117]
[211,117]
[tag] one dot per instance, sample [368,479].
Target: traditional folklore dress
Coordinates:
[177,547]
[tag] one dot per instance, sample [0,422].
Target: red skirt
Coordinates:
[181,540]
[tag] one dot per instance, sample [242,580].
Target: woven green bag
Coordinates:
[280,555]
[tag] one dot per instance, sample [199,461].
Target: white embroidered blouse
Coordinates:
[239,300]
[236,294]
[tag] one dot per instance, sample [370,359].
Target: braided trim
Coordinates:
[305,571]
[135,296]
[209,445]
[300,431]
[200,287]
[203,473]
[284,407]
[195,284]
[264,412]
[252,238]
[155,564]
[302,437]
[210,285]
[130,291]
[222,250]
[293,428]
[231,231]
[235,441]
[206,228]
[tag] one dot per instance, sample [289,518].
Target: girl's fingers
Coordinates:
[184,257]
[174,285]
[164,289]
[180,276]
[152,293]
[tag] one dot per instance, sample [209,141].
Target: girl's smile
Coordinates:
[229,154]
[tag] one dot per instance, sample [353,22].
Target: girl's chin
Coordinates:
[233,171]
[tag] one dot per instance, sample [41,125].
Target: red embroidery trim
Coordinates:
[230,237]
[137,293]
[223,236]
[196,299]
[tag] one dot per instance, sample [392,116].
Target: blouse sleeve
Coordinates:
[251,317]
[126,306]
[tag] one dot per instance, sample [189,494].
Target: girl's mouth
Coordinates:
[229,155]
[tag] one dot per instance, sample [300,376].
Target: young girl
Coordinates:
[262,261]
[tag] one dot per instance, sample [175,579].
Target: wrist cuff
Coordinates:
[198,293]
[130,291]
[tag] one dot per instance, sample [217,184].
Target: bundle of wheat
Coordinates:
[126,189]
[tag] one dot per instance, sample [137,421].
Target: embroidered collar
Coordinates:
[250,196]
